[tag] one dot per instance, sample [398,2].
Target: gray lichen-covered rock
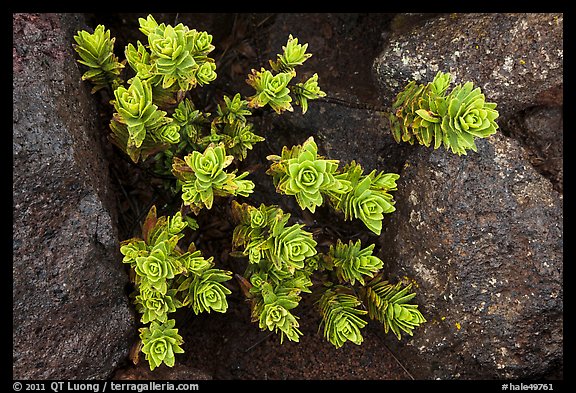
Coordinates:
[482,237]
[517,58]
[72,318]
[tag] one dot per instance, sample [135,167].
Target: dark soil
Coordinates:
[230,346]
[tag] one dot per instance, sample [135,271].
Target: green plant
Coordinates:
[426,113]
[198,154]
[166,278]
[276,273]
[96,51]
[274,89]
[313,180]
[282,260]
[202,176]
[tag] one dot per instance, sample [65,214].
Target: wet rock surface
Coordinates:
[517,58]
[71,316]
[482,238]
[480,235]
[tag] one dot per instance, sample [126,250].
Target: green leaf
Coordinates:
[426,113]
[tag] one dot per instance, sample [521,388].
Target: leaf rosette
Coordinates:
[308,90]
[341,316]
[369,206]
[274,316]
[292,246]
[134,108]
[155,306]
[369,197]
[270,90]
[352,262]
[160,342]
[426,114]
[206,292]
[97,52]
[301,172]
[170,49]
[202,177]
[206,73]
[156,268]
[389,304]
[294,54]
[272,311]
[468,116]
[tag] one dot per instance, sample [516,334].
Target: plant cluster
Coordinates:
[167,277]
[282,261]
[313,180]
[426,113]
[155,119]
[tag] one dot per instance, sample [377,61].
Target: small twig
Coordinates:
[350,104]
[258,342]
[395,358]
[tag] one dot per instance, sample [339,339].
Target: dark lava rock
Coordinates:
[72,318]
[541,130]
[482,234]
[482,237]
[516,58]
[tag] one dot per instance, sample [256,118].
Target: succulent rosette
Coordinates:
[426,114]
[209,166]
[139,60]
[233,110]
[271,310]
[156,268]
[270,90]
[202,177]
[341,317]
[171,49]
[190,119]
[160,342]
[207,174]
[294,54]
[134,108]
[195,263]
[369,196]
[352,262]
[201,45]
[308,90]
[169,133]
[97,52]
[206,73]
[133,249]
[303,173]
[155,306]
[275,317]
[206,292]
[468,116]
[291,247]
[389,304]
[369,205]
[258,218]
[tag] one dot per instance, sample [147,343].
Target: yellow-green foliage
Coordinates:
[300,171]
[426,114]
[155,118]
[167,277]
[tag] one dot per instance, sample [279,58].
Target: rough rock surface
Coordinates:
[517,58]
[71,314]
[541,130]
[482,237]
[482,234]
